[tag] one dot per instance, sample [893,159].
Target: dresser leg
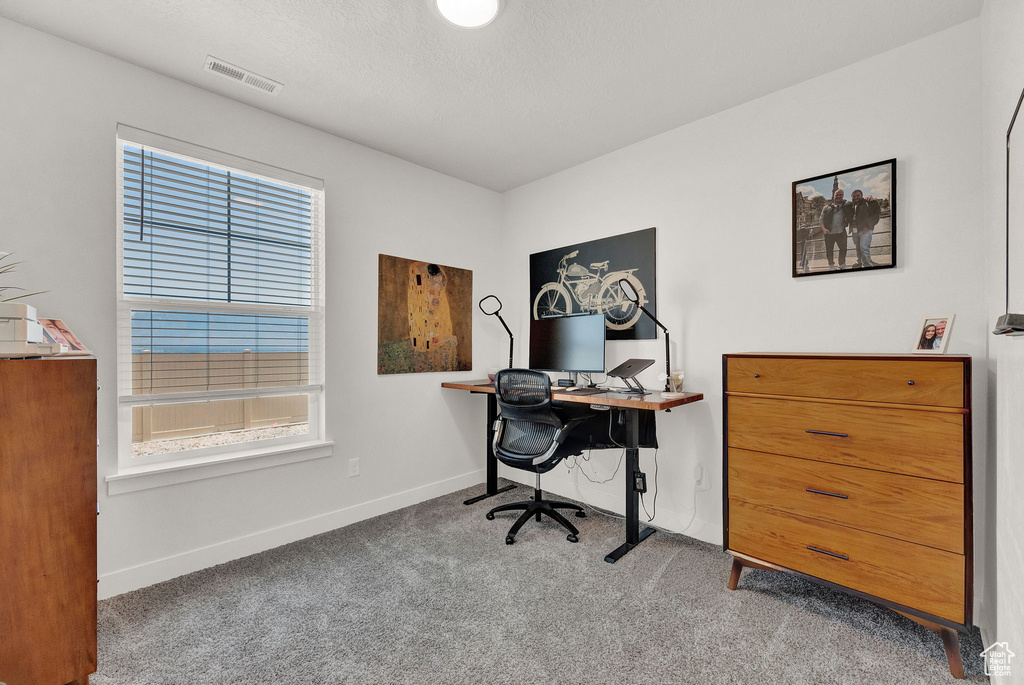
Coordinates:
[950,643]
[734,577]
[737,568]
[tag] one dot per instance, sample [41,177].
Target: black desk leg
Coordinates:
[492,462]
[634,536]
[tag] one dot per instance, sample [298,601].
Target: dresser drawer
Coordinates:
[927,579]
[909,441]
[920,510]
[935,383]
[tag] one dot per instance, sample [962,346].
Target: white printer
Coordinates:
[21,335]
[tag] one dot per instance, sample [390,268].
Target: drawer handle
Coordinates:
[757,375]
[825,551]
[838,435]
[830,494]
[910,382]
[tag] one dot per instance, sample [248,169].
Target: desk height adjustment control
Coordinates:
[640,481]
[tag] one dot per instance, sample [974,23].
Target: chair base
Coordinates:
[538,507]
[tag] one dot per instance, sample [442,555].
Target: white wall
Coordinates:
[1003,80]
[718,190]
[60,106]
[719,193]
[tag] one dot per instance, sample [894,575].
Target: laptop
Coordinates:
[630,368]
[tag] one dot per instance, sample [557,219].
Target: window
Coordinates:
[220,306]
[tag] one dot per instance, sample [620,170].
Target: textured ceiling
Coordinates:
[548,85]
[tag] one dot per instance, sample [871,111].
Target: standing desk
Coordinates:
[632,404]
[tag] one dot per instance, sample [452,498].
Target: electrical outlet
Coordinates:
[700,475]
[353,468]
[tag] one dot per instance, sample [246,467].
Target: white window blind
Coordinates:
[221,298]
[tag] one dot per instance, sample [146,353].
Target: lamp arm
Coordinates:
[511,341]
[660,324]
[668,372]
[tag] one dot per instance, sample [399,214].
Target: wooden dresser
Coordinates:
[48,521]
[855,471]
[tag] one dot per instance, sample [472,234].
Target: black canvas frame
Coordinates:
[571,270]
[806,228]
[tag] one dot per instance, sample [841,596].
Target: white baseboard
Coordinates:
[143,575]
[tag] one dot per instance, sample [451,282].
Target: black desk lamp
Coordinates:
[493,309]
[633,296]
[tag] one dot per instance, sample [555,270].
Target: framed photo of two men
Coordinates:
[845,221]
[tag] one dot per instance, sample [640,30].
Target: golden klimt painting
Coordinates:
[424,317]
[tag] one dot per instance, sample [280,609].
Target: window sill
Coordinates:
[184,471]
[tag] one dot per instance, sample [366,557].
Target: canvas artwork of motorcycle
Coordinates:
[584,279]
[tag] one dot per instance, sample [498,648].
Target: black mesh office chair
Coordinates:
[530,435]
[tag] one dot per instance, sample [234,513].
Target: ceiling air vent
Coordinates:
[243,76]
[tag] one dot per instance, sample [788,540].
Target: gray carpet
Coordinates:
[431,594]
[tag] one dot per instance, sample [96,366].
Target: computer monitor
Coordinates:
[568,343]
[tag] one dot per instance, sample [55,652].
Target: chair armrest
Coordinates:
[569,426]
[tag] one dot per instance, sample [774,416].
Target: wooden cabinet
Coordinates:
[48,521]
[854,471]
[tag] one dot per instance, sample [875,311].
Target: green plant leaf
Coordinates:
[6,269]
[19,297]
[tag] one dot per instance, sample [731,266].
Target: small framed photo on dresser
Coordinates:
[56,331]
[933,334]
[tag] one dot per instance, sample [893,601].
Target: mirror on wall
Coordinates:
[1013,324]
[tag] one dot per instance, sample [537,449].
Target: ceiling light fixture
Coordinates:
[468,14]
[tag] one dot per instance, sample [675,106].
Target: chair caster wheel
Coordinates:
[572,538]
[490,516]
[509,540]
[581,514]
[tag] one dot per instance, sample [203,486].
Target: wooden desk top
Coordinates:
[654,401]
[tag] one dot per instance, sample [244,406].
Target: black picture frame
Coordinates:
[580,278]
[811,196]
